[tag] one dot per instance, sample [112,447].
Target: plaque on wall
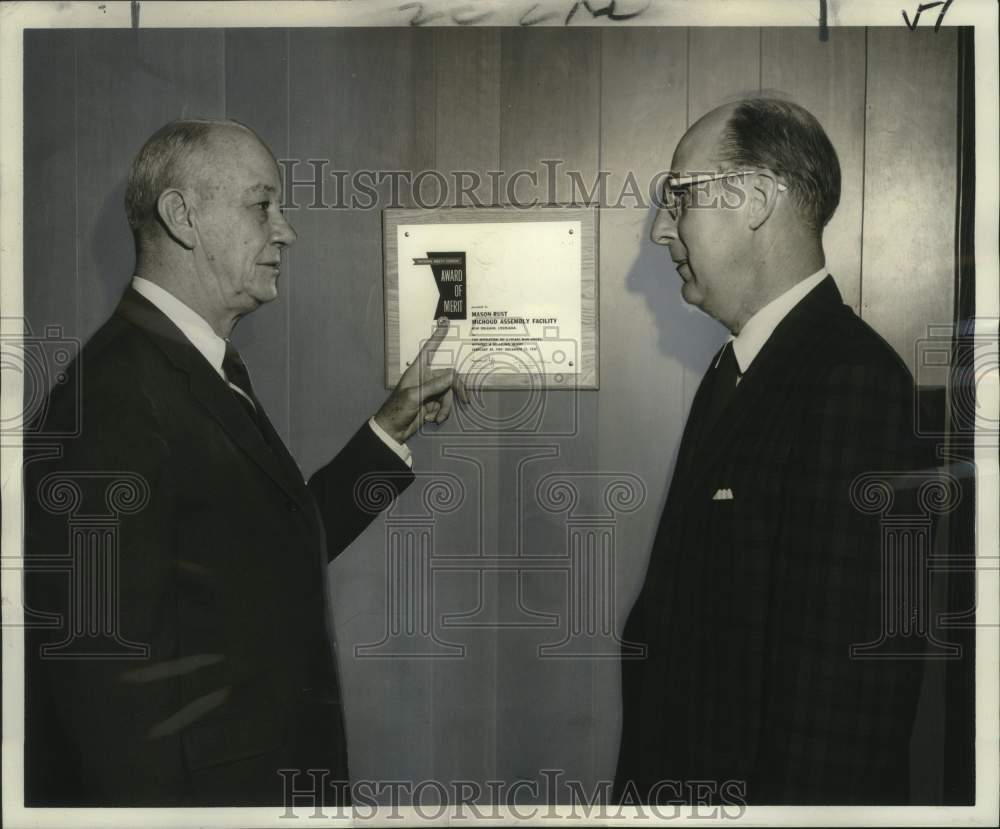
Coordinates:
[519,287]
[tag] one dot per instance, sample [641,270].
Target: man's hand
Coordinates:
[422,395]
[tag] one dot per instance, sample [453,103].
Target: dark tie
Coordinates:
[238,376]
[723,380]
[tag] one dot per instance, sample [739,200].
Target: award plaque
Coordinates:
[519,287]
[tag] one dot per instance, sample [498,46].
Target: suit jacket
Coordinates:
[220,572]
[750,604]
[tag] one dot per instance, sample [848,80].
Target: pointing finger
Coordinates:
[430,347]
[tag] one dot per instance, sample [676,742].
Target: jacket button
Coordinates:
[291,506]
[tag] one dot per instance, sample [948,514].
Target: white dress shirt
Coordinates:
[759,328]
[213,348]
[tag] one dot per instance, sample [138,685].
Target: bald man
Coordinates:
[763,574]
[192,663]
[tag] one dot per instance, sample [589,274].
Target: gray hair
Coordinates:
[166,160]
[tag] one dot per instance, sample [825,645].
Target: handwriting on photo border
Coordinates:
[586,12]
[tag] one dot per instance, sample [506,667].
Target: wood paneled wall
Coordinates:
[488,99]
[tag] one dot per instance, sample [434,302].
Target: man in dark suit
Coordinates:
[175,537]
[763,571]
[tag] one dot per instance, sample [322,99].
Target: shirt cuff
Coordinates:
[400,449]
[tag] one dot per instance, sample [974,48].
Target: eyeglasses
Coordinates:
[677,189]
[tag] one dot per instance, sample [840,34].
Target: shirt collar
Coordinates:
[192,325]
[758,329]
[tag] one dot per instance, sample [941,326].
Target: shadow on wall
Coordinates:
[687,338]
[685,333]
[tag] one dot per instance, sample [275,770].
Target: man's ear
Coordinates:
[763,198]
[175,211]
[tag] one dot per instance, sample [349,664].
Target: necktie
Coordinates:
[239,381]
[723,379]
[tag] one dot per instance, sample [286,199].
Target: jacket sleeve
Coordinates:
[836,727]
[361,481]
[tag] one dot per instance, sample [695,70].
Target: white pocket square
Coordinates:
[723,495]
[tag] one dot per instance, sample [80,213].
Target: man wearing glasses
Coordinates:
[763,572]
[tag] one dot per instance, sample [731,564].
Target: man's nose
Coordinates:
[664,229]
[282,231]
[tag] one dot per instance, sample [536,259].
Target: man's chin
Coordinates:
[691,294]
[266,293]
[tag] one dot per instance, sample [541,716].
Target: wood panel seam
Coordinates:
[864,185]
[76,181]
[288,282]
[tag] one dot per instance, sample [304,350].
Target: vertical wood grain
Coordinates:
[549,104]
[467,138]
[257,95]
[467,106]
[908,245]
[910,164]
[550,110]
[646,327]
[129,83]
[50,278]
[723,65]
[828,79]
[352,101]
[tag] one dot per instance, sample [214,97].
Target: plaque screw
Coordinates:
[406,233]
[571,231]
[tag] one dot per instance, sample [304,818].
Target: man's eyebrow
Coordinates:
[691,174]
[260,188]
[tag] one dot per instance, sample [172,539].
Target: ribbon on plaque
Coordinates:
[449,276]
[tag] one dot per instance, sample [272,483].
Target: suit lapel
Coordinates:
[696,425]
[277,445]
[214,395]
[790,345]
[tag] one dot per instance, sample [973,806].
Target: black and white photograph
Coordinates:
[458,412]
